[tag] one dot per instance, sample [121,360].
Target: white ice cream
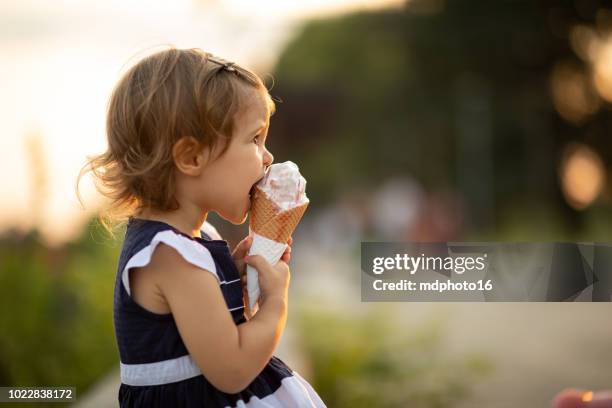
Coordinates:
[284,184]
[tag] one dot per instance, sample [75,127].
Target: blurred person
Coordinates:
[441,218]
[573,398]
[396,207]
[186,135]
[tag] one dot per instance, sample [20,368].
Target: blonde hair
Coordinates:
[166,96]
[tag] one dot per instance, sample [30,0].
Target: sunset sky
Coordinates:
[59,61]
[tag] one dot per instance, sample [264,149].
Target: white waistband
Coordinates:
[161,372]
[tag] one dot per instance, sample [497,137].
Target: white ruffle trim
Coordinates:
[193,252]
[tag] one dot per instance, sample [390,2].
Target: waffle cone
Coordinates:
[269,220]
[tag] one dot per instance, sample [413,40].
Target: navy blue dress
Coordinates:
[156,368]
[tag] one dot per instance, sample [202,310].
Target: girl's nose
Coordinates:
[268,158]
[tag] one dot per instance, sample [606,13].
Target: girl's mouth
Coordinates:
[251,195]
[252,190]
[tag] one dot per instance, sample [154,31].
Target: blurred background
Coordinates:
[423,120]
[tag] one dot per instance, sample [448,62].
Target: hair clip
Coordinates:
[227,65]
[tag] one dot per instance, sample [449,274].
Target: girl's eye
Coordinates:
[256,139]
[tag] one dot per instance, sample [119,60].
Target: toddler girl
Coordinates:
[186,135]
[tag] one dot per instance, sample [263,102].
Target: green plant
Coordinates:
[365,361]
[56,324]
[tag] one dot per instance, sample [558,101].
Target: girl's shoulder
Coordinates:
[143,237]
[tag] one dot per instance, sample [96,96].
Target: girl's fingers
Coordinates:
[243,247]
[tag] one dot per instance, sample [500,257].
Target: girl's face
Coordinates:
[229,178]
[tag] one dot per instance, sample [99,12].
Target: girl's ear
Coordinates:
[190,156]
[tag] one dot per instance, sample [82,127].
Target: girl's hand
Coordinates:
[240,251]
[286,256]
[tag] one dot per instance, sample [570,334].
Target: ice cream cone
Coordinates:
[269,220]
[271,227]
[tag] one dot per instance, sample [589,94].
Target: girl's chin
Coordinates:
[234,221]
[237,218]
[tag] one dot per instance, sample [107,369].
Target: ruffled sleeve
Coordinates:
[191,251]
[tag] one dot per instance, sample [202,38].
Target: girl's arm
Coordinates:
[229,356]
